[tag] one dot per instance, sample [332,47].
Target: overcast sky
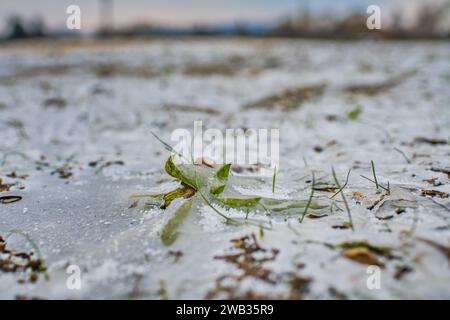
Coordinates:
[173,12]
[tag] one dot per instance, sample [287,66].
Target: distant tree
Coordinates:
[106,17]
[430,17]
[17,28]
[286,28]
[242,28]
[354,25]
[36,27]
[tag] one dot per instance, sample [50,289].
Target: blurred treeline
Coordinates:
[428,20]
[424,20]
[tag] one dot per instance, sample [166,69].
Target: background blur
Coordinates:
[287,18]
[78,113]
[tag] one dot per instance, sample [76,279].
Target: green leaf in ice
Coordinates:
[354,113]
[216,190]
[240,202]
[169,232]
[222,177]
[175,172]
[224,172]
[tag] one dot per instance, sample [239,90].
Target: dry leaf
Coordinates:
[362,255]
[435,193]
[10,199]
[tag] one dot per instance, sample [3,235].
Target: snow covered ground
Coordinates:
[75,143]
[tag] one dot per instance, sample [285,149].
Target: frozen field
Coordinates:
[75,143]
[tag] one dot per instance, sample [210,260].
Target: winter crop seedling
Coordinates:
[199,184]
[214,187]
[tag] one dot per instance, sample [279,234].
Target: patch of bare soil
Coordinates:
[288,99]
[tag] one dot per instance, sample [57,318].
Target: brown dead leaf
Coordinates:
[205,161]
[14,175]
[362,255]
[325,188]
[342,226]
[4,186]
[357,195]
[435,193]
[433,181]
[376,202]
[385,217]
[9,199]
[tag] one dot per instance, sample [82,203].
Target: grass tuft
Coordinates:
[343,187]
[310,197]
[350,221]
[374,175]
